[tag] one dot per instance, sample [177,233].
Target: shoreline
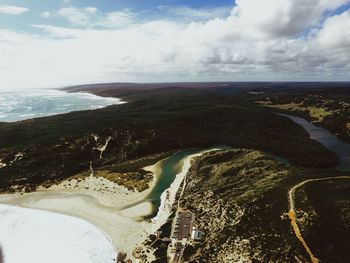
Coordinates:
[108,211]
[76,101]
[168,197]
[119,100]
[103,210]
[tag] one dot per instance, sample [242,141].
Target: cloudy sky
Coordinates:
[55,43]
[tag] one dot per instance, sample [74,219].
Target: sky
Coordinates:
[56,43]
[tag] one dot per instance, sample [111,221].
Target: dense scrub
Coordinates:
[239,199]
[154,121]
[327,106]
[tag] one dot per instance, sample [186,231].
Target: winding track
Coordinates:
[102,148]
[291,213]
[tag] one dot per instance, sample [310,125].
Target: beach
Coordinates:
[107,205]
[124,227]
[30,235]
[16,105]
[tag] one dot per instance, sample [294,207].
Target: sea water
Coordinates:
[28,104]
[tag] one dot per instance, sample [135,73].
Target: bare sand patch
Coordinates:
[114,209]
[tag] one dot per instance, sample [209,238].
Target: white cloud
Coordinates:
[117,19]
[12,10]
[89,16]
[45,14]
[188,13]
[233,48]
[281,17]
[336,32]
[91,10]
[76,16]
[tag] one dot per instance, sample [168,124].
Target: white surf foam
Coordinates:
[28,235]
[21,105]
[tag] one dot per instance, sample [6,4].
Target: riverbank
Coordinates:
[327,139]
[168,197]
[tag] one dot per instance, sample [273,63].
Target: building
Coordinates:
[197,235]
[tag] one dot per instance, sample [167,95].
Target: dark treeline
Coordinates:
[155,120]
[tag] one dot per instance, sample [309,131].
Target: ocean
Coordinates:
[22,105]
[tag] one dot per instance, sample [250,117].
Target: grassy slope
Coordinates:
[239,198]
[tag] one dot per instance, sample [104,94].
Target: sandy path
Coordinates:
[102,148]
[291,213]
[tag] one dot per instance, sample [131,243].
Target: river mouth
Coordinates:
[169,168]
[125,225]
[327,139]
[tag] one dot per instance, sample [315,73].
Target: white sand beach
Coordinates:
[102,209]
[29,235]
[102,203]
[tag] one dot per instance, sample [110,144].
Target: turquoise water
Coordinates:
[281,159]
[170,167]
[21,105]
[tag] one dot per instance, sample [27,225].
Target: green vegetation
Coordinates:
[239,196]
[325,217]
[327,106]
[316,113]
[155,121]
[239,199]
[137,180]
